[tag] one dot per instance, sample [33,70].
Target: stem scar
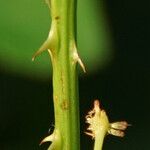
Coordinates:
[64,105]
[57,18]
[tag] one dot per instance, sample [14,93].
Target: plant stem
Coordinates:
[62,49]
[61,46]
[99,125]
[99,139]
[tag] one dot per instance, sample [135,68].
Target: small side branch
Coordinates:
[99,126]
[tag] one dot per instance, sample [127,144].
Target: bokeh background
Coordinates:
[113,41]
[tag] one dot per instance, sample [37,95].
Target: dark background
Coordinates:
[26,111]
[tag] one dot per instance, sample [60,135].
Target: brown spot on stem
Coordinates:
[64,105]
[57,18]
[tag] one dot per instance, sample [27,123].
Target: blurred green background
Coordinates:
[113,42]
[25,25]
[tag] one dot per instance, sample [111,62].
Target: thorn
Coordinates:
[81,64]
[78,59]
[49,138]
[43,48]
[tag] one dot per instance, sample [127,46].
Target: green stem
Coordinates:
[99,139]
[61,46]
[64,59]
[98,125]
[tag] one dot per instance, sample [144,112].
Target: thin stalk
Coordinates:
[65,90]
[61,46]
[99,139]
[99,126]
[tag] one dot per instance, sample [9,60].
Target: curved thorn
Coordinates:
[81,64]
[49,138]
[44,47]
